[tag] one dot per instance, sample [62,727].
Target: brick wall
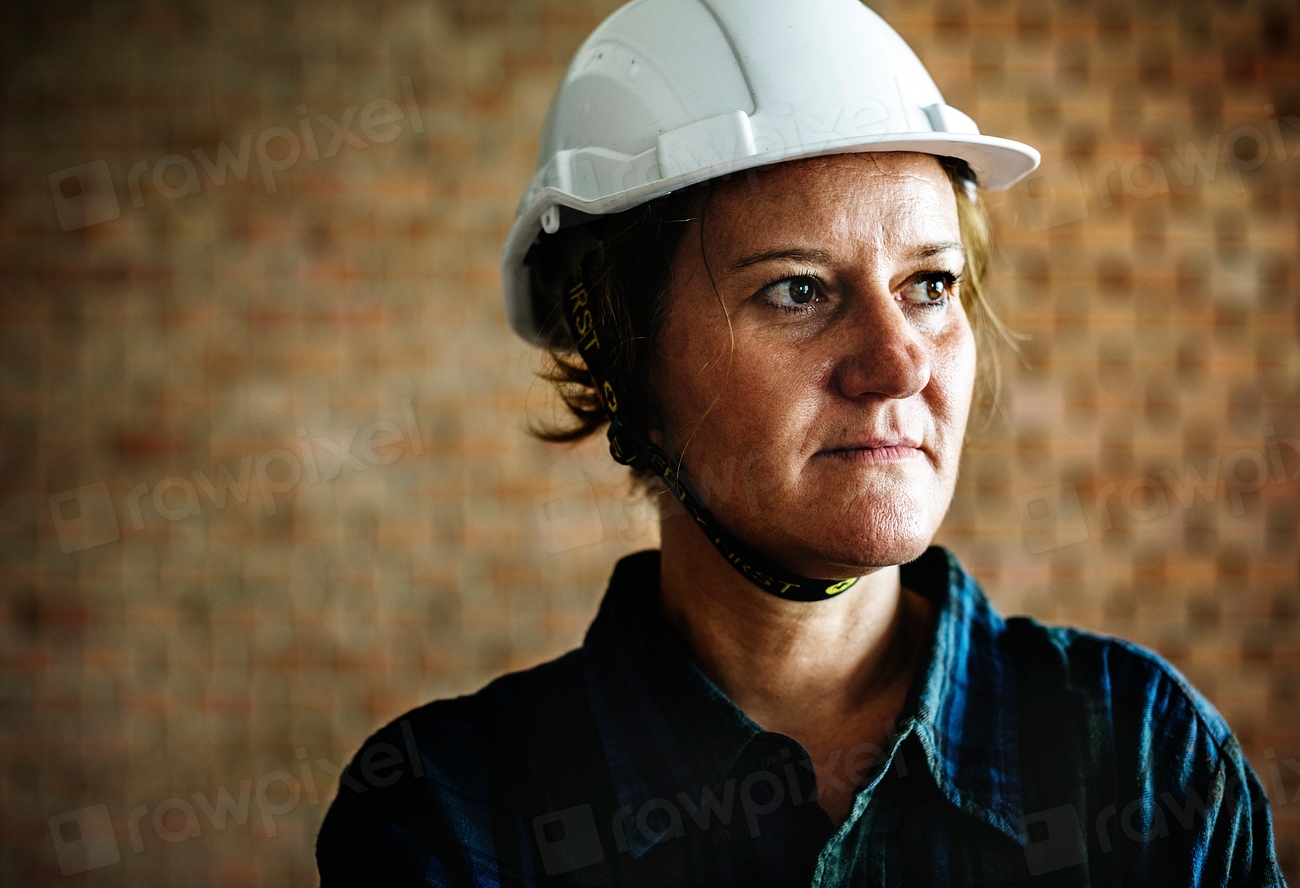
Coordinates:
[266,482]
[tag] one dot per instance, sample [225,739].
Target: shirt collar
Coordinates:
[666,728]
[966,708]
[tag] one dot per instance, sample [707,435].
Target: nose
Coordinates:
[882,352]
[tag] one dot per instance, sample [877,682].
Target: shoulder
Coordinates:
[1120,714]
[448,734]
[1127,677]
[1149,764]
[1088,695]
[523,700]
[425,792]
[448,740]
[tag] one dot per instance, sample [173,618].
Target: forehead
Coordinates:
[882,197]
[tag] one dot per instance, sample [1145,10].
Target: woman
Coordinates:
[756,247]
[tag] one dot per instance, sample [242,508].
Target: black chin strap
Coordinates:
[629,448]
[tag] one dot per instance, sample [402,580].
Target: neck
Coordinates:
[800,668]
[833,675]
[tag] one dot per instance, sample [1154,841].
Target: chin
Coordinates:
[884,538]
[882,550]
[880,526]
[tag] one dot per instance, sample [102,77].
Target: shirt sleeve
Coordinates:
[1178,804]
[1223,812]
[358,847]
[388,828]
[346,855]
[1237,848]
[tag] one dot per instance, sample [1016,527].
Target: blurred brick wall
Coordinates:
[324,324]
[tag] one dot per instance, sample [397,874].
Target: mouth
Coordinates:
[879,450]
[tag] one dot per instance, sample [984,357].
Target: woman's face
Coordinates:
[819,397]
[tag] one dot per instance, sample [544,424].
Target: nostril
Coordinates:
[897,371]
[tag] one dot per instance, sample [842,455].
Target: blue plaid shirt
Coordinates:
[1026,755]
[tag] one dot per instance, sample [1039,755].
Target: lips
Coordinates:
[885,447]
[884,443]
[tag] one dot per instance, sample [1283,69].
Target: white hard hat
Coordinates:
[668,93]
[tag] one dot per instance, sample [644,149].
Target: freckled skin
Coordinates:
[761,404]
[767,394]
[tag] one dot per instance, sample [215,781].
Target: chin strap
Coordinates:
[630,448]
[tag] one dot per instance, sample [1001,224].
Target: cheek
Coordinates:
[955,372]
[740,403]
[688,371]
[964,368]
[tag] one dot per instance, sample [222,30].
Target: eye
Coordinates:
[793,293]
[930,288]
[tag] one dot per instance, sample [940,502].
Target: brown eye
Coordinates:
[802,291]
[795,291]
[931,289]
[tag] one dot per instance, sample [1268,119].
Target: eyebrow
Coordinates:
[795,254]
[929,251]
[926,251]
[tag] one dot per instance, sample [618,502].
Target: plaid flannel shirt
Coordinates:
[1026,755]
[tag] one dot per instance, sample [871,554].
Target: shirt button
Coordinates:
[721,837]
[911,833]
[770,762]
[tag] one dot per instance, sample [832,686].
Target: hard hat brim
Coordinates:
[998,164]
